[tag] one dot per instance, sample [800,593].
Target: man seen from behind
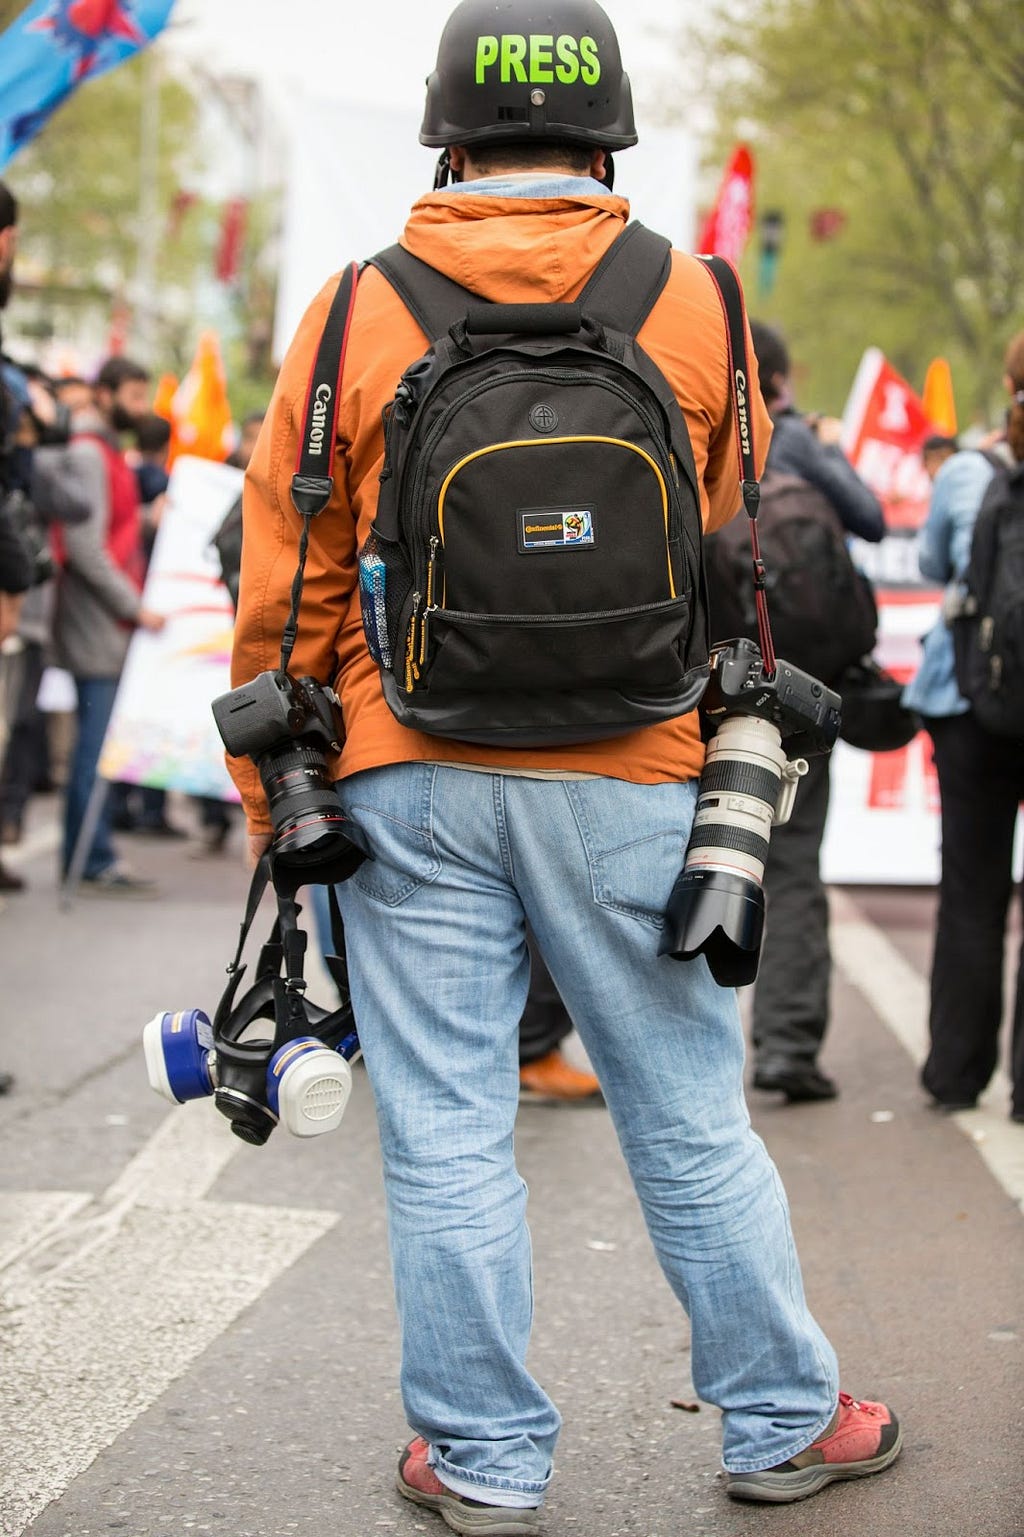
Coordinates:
[470,843]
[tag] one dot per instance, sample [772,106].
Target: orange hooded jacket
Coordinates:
[512,250]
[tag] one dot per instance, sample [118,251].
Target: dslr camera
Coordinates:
[287,726]
[748,787]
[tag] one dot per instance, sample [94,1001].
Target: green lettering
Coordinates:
[513,52]
[486,55]
[568,70]
[590,65]
[541,72]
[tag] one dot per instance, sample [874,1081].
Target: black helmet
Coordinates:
[511,70]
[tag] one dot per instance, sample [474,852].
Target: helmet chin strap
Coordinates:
[444,173]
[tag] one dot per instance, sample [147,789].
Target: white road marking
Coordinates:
[104,1303]
[899,996]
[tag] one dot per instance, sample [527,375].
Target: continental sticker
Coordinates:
[556,529]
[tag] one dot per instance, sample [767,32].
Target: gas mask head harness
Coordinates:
[298,1071]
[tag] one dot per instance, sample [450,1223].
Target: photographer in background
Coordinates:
[791,997]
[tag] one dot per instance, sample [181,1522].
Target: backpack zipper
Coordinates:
[493,448]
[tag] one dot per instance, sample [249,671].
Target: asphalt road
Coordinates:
[197,1336]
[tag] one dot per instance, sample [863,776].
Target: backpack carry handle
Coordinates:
[524,319]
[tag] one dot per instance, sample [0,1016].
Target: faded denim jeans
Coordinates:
[439,971]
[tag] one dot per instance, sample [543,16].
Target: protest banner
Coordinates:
[883,822]
[161,732]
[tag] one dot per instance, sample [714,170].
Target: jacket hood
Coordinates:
[515,249]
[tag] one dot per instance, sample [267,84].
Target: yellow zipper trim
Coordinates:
[494,448]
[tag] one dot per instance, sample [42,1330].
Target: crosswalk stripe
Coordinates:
[104,1303]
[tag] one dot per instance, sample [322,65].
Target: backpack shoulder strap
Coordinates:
[434,301]
[628,280]
[621,291]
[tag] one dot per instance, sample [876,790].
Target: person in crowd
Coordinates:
[791,996]
[981,785]
[73,392]
[16,572]
[99,605]
[584,842]
[143,808]
[248,433]
[152,445]
[935,451]
[16,565]
[49,496]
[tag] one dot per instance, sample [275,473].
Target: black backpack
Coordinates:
[988,637]
[534,573]
[823,610]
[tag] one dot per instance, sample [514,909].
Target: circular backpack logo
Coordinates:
[544,418]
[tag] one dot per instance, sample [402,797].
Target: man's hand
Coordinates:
[147,619]
[259,843]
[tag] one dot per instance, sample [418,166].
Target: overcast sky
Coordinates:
[379,52]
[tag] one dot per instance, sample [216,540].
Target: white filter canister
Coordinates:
[313,1091]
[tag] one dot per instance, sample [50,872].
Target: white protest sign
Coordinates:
[162,732]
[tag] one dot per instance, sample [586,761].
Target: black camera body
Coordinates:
[805,713]
[273,708]
[287,726]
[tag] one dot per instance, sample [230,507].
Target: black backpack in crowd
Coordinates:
[988,637]
[823,610]
[534,574]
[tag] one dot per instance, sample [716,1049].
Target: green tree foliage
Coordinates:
[79,184]
[908,116]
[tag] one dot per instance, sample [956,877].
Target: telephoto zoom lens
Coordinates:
[304,808]
[717,903]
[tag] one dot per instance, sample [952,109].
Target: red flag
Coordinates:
[884,426]
[727,227]
[232,238]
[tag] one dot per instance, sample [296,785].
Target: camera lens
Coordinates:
[717,905]
[304,808]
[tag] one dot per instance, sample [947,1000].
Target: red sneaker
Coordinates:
[862,1438]
[418,1482]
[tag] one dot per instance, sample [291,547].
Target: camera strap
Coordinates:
[278,987]
[313,481]
[731,297]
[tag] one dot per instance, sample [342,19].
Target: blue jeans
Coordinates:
[437,954]
[95,706]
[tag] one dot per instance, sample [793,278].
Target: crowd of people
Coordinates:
[518,892]
[84,481]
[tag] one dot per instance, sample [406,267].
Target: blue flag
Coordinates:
[56,44]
